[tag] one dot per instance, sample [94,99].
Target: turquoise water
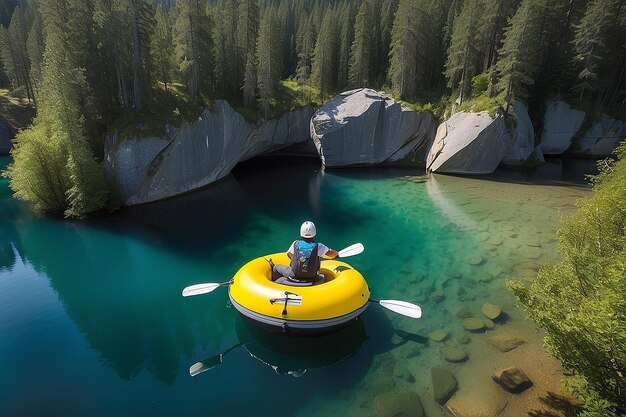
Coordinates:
[92,321]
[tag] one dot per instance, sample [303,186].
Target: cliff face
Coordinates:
[366,127]
[196,154]
[469,143]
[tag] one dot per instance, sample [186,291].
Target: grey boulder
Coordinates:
[469,143]
[560,124]
[366,127]
[602,138]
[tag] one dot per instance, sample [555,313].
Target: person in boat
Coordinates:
[305,255]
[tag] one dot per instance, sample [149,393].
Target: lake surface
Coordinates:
[92,321]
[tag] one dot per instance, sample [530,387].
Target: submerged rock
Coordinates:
[453,354]
[366,127]
[469,143]
[444,384]
[144,169]
[513,379]
[482,399]
[405,404]
[560,124]
[437,296]
[491,311]
[475,260]
[504,343]
[473,324]
[438,335]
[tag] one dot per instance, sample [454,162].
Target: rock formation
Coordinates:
[523,151]
[7,133]
[469,143]
[195,154]
[601,139]
[560,124]
[366,127]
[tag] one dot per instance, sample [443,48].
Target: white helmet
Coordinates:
[307,230]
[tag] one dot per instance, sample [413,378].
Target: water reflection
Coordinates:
[287,355]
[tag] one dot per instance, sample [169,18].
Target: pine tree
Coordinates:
[269,58]
[492,27]
[590,43]
[228,62]
[35,47]
[247,30]
[324,68]
[16,59]
[346,37]
[360,53]
[162,46]
[305,45]
[519,56]
[193,45]
[404,48]
[462,53]
[53,165]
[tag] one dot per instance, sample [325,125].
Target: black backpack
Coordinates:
[305,261]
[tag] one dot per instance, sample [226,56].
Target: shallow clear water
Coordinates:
[92,321]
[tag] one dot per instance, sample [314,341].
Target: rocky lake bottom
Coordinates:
[96,305]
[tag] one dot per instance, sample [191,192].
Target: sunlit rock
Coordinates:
[512,379]
[367,127]
[469,143]
[560,124]
[482,399]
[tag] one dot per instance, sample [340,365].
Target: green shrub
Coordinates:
[480,83]
[581,301]
[56,175]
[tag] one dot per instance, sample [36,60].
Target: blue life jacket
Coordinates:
[305,261]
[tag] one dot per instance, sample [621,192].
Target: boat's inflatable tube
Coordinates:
[316,309]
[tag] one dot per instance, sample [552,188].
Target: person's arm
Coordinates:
[329,253]
[291,249]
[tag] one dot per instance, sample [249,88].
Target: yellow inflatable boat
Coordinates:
[315,309]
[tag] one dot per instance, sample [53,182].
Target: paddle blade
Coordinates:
[199,289]
[402,307]
[205,365]
[351,250]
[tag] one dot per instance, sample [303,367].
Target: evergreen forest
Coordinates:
[90,65]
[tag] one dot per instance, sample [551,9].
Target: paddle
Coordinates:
[349,251]
[210,286]
[202,288]
[400,307]
[210,363]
